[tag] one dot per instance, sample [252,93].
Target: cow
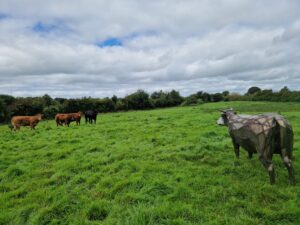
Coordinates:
[63,118]
[76,117]
[265,134]
[90,116]
[32,121]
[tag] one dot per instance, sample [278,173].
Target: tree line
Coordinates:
[139,100]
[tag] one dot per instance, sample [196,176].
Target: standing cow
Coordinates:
[63,118]
[91,116]
[76,117]
[265,134]
[32,121]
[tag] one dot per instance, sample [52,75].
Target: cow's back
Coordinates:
[20,120]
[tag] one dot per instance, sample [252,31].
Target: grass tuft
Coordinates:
[98,211]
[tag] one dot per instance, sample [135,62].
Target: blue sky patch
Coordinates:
[110,42]
[3,16]
[43,28]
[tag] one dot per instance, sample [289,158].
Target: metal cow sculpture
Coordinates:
[265,134]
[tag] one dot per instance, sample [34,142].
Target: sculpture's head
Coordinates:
[223,120]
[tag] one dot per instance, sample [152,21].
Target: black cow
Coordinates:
[265,134]
[91,116]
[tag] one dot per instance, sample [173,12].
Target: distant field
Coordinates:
[168,166]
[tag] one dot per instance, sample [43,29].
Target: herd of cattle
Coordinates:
[264,134]
[60,119]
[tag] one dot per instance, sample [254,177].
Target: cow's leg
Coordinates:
[32,126]
[288,164]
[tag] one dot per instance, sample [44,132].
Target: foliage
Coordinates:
[138,100]
[253,90]
[166,99]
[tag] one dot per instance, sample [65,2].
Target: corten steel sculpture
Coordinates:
[265,134]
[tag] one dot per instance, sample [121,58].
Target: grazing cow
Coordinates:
[265,134]
[64,118]
[91,116]
[32,121]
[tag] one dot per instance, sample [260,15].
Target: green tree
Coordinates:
[253,90]
[138,100]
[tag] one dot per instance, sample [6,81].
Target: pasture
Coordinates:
[166,166]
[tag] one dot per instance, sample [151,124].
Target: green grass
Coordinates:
[169,166]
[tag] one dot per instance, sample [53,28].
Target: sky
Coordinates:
[99,48]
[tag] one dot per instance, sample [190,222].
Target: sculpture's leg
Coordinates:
[236,147]
[286,141]
[267,163]
[288,164]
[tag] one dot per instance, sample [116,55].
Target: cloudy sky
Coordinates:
[75,48]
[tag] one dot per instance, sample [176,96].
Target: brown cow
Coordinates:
[77,117]
[65,118]
[32,121]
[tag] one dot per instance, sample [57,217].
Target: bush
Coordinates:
[192,100]
[51,111]
[138,100]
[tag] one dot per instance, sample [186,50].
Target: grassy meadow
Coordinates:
[167,166]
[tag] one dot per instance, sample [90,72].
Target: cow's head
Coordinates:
[223,120]
[40,116]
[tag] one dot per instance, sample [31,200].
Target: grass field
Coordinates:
[168,166]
